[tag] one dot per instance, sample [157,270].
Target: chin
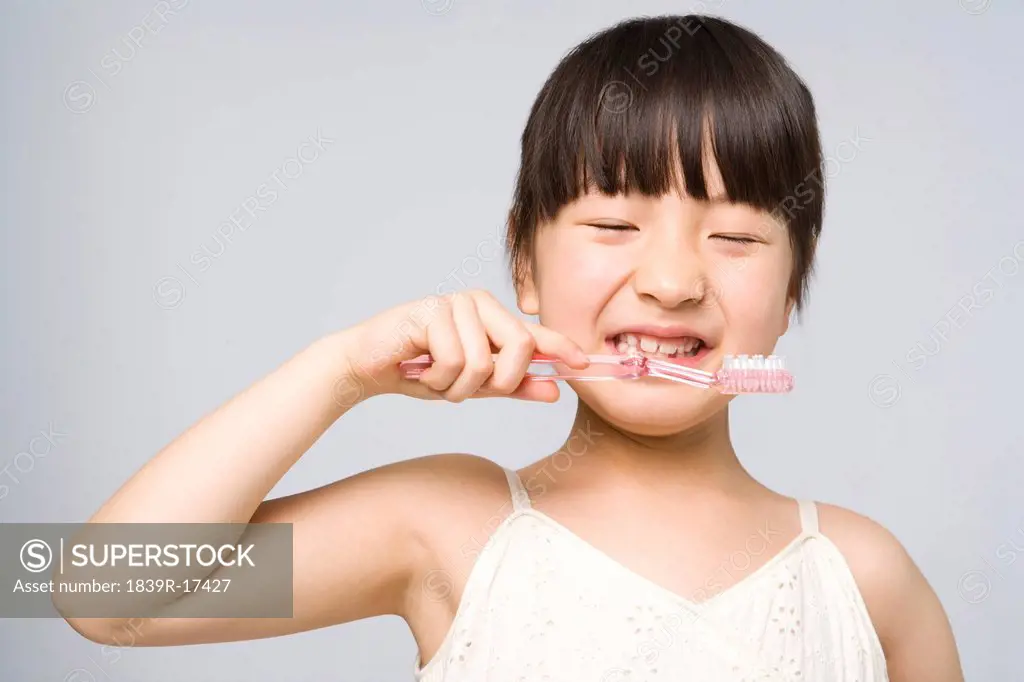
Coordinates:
[650,406]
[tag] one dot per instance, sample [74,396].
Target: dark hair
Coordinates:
[623,106]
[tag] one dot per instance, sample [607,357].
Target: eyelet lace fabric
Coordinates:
[542,605]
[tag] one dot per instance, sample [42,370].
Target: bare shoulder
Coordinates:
[878,560]
[456,483]
[425,492]
[907,615]
[416,514]
[445,496]
[454,503]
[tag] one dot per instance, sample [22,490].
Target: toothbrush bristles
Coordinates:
[753,374]
[739,374]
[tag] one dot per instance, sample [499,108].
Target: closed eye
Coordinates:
[615,227]
[735,239]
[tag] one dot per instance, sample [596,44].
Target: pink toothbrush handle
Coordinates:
[545,368]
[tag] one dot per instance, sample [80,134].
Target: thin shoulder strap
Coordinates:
[520,498]
[808,517]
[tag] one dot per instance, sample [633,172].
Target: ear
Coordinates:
[526,292]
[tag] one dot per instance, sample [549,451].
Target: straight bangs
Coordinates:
[630,108]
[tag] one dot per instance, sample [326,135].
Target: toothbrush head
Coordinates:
[739,374]
[753,374]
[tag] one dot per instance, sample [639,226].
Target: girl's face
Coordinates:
[661,272]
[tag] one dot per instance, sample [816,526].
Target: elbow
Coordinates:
[115,632]
[98,630]
[109,631]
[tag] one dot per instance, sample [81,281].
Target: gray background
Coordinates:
[112,181]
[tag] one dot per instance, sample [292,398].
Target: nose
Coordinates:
[670,271]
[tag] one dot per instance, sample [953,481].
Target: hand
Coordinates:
[460,332]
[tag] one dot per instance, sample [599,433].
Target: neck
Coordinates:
[700,458]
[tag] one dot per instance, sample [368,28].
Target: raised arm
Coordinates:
[360,543]
[230,460]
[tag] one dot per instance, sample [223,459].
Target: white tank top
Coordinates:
[541,604]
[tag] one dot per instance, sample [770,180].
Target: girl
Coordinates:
[669,198]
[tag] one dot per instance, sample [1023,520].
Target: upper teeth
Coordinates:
[686,345]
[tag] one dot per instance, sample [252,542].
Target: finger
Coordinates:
[507,329]
[513,340]
[535,391]
[476,349]
[546,340]
[550,342]
[445,348]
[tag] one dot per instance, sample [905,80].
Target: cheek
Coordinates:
[753,297]
[576,282]
[594,272]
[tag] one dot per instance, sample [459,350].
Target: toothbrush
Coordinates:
[738,374]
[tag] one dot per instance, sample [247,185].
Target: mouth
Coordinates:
[684,349]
